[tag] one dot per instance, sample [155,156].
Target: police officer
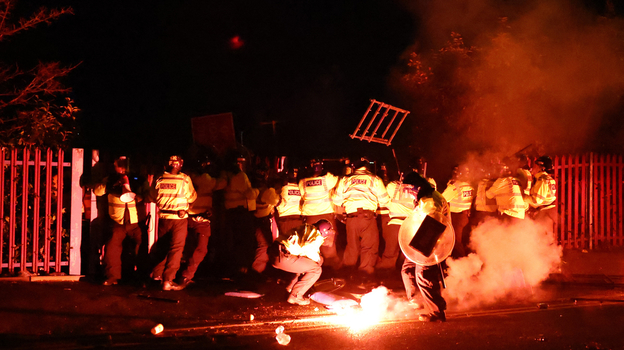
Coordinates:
[298,251]
[426,278]
[122,210]
[265,203]
[543,193]
[360,194]
[508,193]
[238,244]
[200,212]
[316,194]
[289,206]
[484,207]
[459,194]
[401,204]
[174,194]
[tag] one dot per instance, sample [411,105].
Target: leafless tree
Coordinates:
[34,109]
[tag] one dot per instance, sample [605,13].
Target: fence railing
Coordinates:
[41,207]
[589,200]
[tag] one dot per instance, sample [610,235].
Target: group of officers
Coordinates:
[289,221]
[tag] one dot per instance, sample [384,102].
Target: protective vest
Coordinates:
[305,240]
[238,191]
[174,193]
[526,179]
[459,195]
[508,196]
[290,201]
[482,202]
[402,201]
[361,190]
[265,202]
[117,208]
[204,185]
[316,193]
[544,192]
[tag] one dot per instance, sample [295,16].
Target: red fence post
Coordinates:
[24,227]
[36,205]
[12,205]
[2,154]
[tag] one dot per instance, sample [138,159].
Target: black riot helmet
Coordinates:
[363,162]
[545,162]
[316,166]
[421,186]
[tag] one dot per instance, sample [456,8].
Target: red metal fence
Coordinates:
[589,200]
[41,224]
[41,207]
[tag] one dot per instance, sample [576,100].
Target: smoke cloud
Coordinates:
[547,73]
[507,263]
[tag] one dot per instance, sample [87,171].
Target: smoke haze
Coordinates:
[547,73]
[508,261]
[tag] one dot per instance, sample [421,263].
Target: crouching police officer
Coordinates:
[298,252]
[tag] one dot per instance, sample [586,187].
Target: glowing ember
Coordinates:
[376,306]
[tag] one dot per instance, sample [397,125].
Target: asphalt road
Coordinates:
[81,315]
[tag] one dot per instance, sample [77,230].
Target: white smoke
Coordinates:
[508,261]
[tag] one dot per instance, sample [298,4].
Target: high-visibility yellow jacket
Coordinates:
[482,202]
[544,191]
[459,195]
[402,201]
[117,208]
[305,240]
[265,202]
[174,193]
[361,190]
[316,193]
[508,196]
[290,200]
[526,178]
[204,185]
[238,191]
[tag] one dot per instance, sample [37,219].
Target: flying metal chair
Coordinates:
[382,111]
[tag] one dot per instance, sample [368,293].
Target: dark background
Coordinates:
[147,67]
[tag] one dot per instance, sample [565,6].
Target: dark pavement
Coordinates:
[582,307]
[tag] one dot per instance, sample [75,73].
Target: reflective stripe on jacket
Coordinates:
[402,201]
[482,202]
[459,195]
[117,208]
[361,190]
[175,193]
[544,191]
[290,201]
[316,193]
[508,196]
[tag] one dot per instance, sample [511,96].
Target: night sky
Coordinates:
[148,67]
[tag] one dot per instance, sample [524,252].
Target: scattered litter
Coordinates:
[244,294]
[158,329]
[542,306]
[282,338]
[333,302]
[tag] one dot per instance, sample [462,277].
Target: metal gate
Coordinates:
[41,206]
[589,200]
